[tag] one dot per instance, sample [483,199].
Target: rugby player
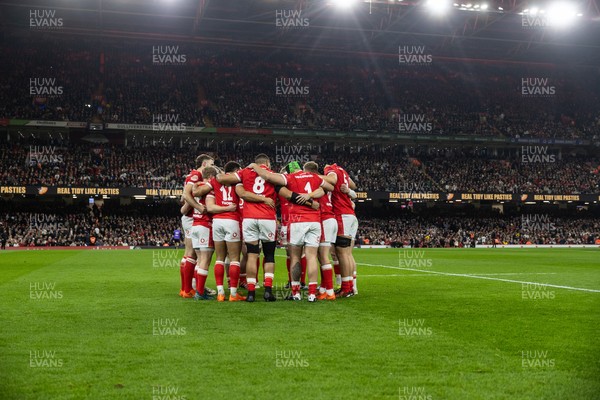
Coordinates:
[304,222]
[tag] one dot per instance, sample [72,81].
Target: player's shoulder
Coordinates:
[195,176]
[246,172]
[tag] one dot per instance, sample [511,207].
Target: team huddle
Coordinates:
[233,213]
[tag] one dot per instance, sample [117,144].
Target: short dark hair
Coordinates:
[232,166]
[261,158]
[311,166]
[201,158]
[209,172]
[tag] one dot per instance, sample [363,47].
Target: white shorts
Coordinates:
[227,230]
[283,235]
[330,229]
[305,234]
[259,229]
[186,224]
[201,237]
[347,225]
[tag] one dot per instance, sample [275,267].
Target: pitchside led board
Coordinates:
[361,196]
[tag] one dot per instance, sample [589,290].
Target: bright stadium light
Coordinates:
[344,4]
[561,14]
[484,6]
[438,7]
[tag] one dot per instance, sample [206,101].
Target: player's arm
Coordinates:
[345,189]
[228,179]
[328,187]
[288,194]
[351,184]
[185,208]
[330,178]
[213,208]
[253,198]
[201,191]
[271,177]
[189,198]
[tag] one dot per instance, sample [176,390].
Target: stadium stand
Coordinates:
[219,87]
[373,167]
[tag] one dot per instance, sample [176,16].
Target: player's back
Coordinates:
[192,178]
[326,206]
[303,183]
[341,201]
[205,218]
[224,196]
[253,183]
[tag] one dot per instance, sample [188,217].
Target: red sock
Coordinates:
[287,264]
[303,265]
[336,268]
[312,288]
[295,287]
[188,274]
[201,280]
[219,272]
[269,279]
[242,278]
[347,284]
[251,284]
[326,277]
[234,274]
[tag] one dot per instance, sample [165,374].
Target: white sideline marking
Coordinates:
[481,277]
[504,273]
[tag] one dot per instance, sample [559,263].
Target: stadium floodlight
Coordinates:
[533,11]
[561,14]
[344,4]
[438,7]
[484,6]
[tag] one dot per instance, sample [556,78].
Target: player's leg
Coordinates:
[283,236]
[328,237]
[218,235]
[295,271]
[344,254]
[312,237]
[303,274]
[188,262]
[351,226]
[221,253]
[251,235]
[268,230]
[342,250]
[234,247]
[354,287]
[204,251]
[336,265]
[243,262]
[326,289]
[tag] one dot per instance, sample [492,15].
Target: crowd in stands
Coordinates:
[74,226]
[153,224]
[236,88]
[471,232]
[373,167]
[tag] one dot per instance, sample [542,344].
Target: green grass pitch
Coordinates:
[427,324]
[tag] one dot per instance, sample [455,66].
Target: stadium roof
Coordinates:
[506,30]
